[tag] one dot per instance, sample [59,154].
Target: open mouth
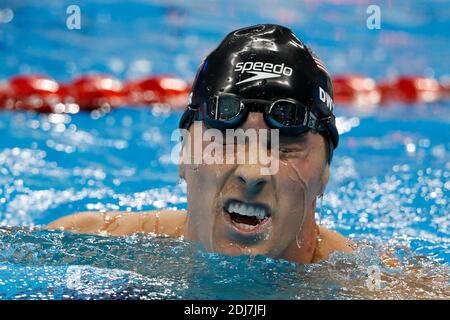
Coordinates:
[247,217]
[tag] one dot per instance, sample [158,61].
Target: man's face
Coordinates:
[234,209]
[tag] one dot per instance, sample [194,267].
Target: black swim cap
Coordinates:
[267,62]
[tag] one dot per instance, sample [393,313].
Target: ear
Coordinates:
[182,165]
[182,170]
[183,155]
[324,179]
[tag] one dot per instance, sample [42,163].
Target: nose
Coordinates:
[249,175]
[250,178]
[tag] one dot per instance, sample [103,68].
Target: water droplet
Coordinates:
[298,241]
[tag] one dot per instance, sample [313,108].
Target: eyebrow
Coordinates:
[288,139]
[292,139]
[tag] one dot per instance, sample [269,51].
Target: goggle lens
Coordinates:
[224,108]
[287,114]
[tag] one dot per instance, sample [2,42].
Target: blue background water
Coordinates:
[389,182]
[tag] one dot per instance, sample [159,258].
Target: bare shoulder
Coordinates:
[117,223]
[332,241]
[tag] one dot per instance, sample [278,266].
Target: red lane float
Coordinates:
[33,92]
[89,92]
[410,89]
[166,89]
[5,93]
[355,90]
[445,89]
[97,91]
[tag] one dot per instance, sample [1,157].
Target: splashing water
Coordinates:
[56,265]
[389,179]
[388,201]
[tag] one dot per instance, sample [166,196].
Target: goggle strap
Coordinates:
[311,121]
[217,107]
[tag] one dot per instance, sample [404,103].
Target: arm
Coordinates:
[332,241]
[168,222]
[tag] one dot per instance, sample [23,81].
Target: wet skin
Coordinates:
[289,230]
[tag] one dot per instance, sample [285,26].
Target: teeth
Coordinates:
[245,226]
[260,212]
[246,210]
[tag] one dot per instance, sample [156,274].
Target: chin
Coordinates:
[232,247]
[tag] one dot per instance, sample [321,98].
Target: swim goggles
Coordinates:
[229,111]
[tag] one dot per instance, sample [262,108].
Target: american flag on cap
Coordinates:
[318,62]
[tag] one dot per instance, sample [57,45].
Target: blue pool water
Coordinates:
[389,182]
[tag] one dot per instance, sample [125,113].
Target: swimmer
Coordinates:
[260,77]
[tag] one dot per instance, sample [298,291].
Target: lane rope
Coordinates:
[95,91]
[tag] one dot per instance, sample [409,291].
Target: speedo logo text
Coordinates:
[262,70]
